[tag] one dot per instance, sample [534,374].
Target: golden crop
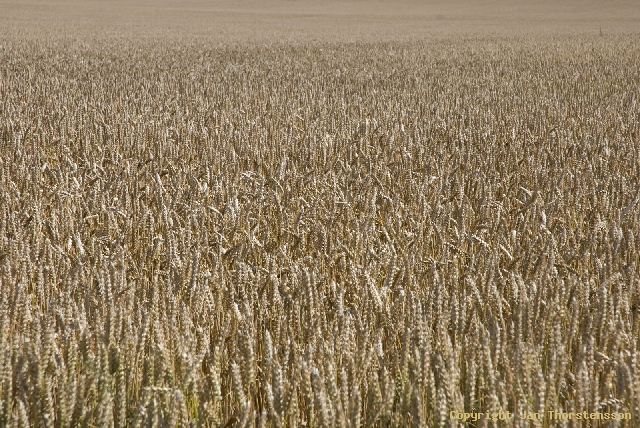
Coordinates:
[319,234]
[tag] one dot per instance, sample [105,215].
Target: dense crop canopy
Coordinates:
[326,234]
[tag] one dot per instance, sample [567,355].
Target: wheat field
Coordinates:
[301,231]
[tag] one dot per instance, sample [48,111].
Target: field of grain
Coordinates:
[369,229]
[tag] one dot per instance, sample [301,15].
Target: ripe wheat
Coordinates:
[318,234]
